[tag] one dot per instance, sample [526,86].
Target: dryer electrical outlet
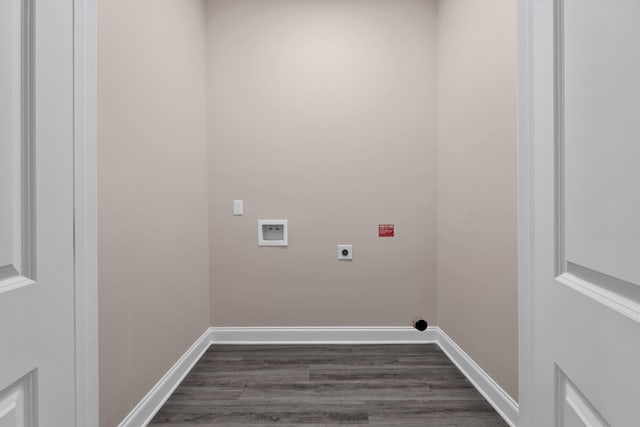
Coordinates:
[345,252]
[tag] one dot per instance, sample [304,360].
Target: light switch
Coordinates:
[238,207]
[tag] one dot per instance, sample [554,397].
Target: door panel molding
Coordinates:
[615,294]
[18,403]
[21,271]
[597,62]
[559,137]
[28,141]
[572,408]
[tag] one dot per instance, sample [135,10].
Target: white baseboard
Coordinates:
[488,388]
[323,335]
[144,411]
[142,414]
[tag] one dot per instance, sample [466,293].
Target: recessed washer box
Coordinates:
[273,232]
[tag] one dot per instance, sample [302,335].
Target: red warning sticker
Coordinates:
[385,230]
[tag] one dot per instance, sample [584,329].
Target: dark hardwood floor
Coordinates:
[298,385]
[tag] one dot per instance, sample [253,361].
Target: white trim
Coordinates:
[144,411]
[85,213]
[323,335]
[488,388]
[525,212]
[601,295]
[142,414]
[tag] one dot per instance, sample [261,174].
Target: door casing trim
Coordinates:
[525,211]
[85,212]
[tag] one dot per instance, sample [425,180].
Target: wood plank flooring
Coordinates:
[323,385]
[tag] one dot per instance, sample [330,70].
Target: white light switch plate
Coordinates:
[238,207]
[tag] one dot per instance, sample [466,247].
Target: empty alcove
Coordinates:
[337,115]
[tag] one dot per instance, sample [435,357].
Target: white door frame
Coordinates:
[85,212]
[86,303]
[525,225]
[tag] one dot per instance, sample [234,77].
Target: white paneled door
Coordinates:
[580,213]
[37,287]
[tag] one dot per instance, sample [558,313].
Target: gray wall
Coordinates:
[477,195]
[323,113]
[152,195]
